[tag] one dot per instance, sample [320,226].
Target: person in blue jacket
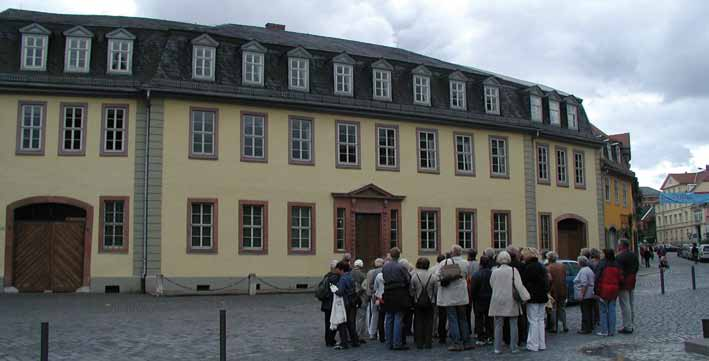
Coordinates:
[346,290]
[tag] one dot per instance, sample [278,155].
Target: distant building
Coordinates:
[647,227]
[684,223]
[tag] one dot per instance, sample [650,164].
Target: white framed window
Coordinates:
[492,100]
[301,141]
[113,219]
[562,177]
[202,225]
[253,68]
[428,224]
[498,157]
[31,130]
[340,229]
[579,169]
[500,230]
[72,129]
[543,163]
[572,117]
[203,130]
[428,150]
[203,59]
[253,136]
[545,231]
[465,163]
[347,144]
[252,226]
[301,228]
[343,79]
[387,147]
[457,94]
[382,84]
[422,90]
[625,197]
[394,228]
[607,188]
[78,55]
[34,52]
[554,114]
[466,228]
[536,107]
[114,130]
[120,56]
[298,74]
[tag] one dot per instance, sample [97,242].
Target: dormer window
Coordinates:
[535,102]
[343,74]
[35,41]
[456,85]
[554,114]
[204,53]
[572,117]
[120,52]
[252,63]
[492,100]
[381,79]
[78,50]
[422,85]
[299,69]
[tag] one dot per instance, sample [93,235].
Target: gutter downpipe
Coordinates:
[146,169]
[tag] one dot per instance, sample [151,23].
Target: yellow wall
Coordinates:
[559,200]
[277,182]
[614,210]
[83,178]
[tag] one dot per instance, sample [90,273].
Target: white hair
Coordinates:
[504,258]
[359,263]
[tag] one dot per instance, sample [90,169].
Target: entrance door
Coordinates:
[368,241]
[48,256]
[571,235]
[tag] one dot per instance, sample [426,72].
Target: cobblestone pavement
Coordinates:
[289,327]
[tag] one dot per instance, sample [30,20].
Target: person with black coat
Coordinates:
[517,264]
[326,304]
[536,280]
[481,293]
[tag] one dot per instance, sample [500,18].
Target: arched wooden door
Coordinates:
[48,245]
[571,237]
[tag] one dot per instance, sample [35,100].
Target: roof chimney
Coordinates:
[274,26]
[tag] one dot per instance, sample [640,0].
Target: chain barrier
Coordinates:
[309,288]
[192,289]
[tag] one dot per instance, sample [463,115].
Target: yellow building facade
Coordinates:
[171,185]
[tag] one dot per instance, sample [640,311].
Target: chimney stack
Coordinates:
[274,26]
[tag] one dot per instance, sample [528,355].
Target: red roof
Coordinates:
[688,178]
[623,138]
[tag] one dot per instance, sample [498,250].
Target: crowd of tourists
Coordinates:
[508,299]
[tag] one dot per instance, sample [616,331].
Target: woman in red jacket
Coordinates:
[609,278]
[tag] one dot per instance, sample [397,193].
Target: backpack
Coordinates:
[450,272]
[323,290]
[424,300]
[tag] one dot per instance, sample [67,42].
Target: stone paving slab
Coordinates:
[289,327]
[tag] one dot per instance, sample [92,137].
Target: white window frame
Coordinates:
[554,113]
[351,149]
[457,94]
[343,77]
[72,128]
[127,53]
[123,130]
[499,144]
[607,189]
[298,73]
[383,78]
[205,116]
[248,229]
[249,60]
[535,108]
[202,225]
[36,111]
[492,100]
[428,218]
[543,163]
[625,196]
[579,169]
[616,191]
[207,60]
[257,121]
[111,209]
[466,228]
[422,90]
[427,153]
[390,148]
[500,230]
[297,227]
[463,155]
[572,117]
[70,51]
[562,167]
[304,138]
[545,231]
[340,239]
[26,49]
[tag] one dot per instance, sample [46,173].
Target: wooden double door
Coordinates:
[368,245]
[571,236]
[48,256]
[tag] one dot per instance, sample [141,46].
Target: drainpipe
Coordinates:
[146,169]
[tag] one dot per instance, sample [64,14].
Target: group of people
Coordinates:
[511,297]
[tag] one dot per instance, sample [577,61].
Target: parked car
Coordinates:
[685,251]
[703,252]
[670,248]
[572,269]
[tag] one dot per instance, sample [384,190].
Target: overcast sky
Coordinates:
[640,66]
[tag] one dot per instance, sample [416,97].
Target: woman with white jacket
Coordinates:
[503,306]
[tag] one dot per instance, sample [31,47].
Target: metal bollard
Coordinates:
[222,335]
[44,351]
[662,280]
[694,280]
